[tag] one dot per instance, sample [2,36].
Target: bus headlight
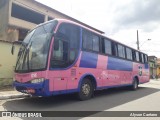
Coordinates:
[38,80]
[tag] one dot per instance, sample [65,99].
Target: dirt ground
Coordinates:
[7,88]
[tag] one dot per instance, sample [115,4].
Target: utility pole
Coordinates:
[137,41]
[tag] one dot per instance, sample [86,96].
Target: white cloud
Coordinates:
[118,19]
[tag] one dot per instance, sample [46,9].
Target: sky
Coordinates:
[119,19]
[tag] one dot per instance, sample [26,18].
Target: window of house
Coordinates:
[26,14]
[50,18]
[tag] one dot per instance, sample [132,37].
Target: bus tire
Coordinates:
[86,90]
[134,84]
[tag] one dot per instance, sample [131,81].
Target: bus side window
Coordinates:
[66,46]
[90,41]
[142,57]
[95,46]
[134,55]
[114,49]
[137,56]
[146,58]
[106,46]
[129,54]
[87,40]
[121,51]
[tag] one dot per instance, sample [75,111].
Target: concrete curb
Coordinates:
[13,96]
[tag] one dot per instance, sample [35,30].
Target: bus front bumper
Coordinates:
[35,89]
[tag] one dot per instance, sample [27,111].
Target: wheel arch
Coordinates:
[90,77]
[137,78]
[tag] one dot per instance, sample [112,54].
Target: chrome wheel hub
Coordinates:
[86,89]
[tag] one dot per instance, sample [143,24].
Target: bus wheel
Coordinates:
[134,84]
[86,90]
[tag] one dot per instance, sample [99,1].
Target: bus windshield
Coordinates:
[34,50]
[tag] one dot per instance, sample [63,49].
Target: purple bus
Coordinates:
[61,57]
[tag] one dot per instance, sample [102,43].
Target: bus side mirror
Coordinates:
[12,49]
[13,46]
